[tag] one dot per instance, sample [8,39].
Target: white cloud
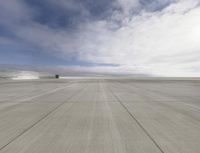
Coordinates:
[26,75]
[164,42]
[147,39]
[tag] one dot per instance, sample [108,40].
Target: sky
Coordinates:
[147,37]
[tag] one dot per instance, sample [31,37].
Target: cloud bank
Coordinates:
[156,37]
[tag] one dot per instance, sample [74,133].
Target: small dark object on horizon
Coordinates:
[57,76]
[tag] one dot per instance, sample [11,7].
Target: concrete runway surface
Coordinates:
[102,115]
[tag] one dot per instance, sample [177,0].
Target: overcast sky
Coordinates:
[151,37]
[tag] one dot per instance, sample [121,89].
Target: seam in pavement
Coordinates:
[168,95]
[28,98]
[41,119]
[140,125]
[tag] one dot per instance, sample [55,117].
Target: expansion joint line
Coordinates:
[139,124]
[41,119]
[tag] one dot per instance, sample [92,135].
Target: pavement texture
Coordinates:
[100,116]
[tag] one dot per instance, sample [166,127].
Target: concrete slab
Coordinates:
[100,116]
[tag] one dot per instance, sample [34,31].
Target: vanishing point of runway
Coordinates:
[100,116]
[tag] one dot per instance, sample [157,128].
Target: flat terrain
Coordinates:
[100,116]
